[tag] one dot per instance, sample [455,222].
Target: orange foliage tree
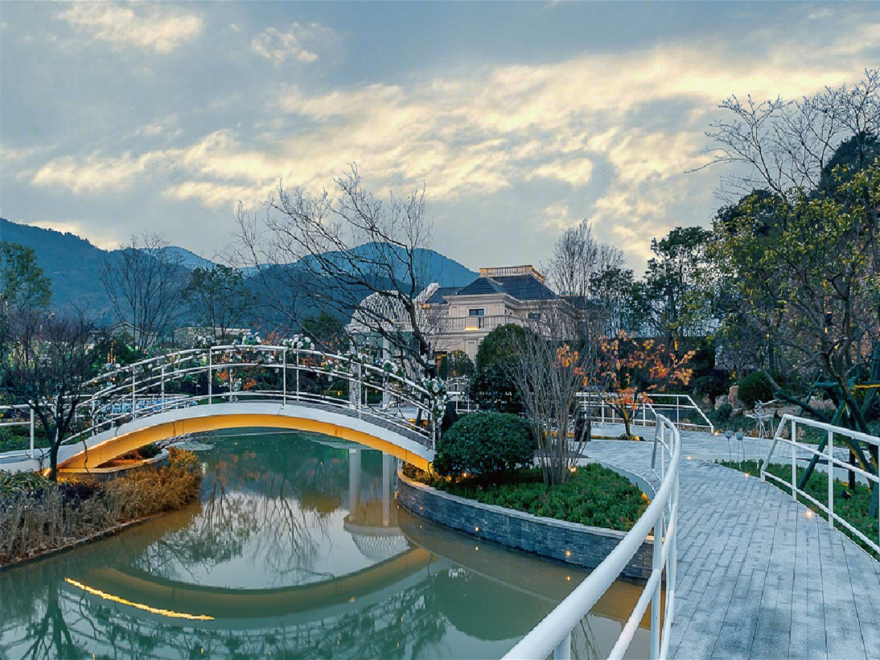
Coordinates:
[630,369]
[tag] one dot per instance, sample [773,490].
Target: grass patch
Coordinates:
[37,515]
[851,504]
[594,495]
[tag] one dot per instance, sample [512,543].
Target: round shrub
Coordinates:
[755,388]
[484,444]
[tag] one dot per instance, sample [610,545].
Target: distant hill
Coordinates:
[73,264]
[188,259]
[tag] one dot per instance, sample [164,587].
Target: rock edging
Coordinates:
[564,541]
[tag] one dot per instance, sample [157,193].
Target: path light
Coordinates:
[729,434]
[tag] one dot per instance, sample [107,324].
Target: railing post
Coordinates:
[162,390]
[793,459]
[656,565]
[677,412]
[297,374]
[210,376]
[830,451]
[284,377]
[133,395]
[563,650]
[32,432]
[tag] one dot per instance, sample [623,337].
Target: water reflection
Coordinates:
[296,549]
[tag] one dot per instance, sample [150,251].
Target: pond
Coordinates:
[295,549]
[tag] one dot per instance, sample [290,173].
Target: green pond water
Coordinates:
[296,549]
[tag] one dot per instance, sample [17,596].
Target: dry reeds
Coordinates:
[37,515]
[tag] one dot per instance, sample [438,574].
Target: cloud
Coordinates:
[155,27]
[299,43]
[96,172]
[614,131]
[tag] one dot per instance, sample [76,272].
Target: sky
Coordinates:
[518,119]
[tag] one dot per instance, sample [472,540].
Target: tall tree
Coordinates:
[218,298]
[22,283]
[145,283]
[337,251]
[678,288]
[48,360]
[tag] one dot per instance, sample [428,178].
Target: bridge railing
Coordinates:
[554,634]
[681,409]
[281,374]
[787,434]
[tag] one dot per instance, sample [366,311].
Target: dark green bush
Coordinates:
[755,388]
[723,413]
[485,444]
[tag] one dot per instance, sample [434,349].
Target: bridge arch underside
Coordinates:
[114,443]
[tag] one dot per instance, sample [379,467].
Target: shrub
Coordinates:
[725,410]
[755,388]
[485,444]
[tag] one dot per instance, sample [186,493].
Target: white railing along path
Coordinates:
[791,423]
[553,635]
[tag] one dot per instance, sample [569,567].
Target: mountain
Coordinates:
[432,266]
[73,264]
[187,259]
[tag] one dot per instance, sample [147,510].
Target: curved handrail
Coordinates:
[553,634]
[284,374]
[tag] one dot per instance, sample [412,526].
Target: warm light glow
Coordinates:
[568,578]
[351,600]
[568,553]
[476,529]
[689,457]
[573,469]
[146,608]
[809,513]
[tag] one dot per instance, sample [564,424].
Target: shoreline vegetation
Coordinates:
[594,495]
[38,516]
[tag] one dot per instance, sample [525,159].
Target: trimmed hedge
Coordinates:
[485,444]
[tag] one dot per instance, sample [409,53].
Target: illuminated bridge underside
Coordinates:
[327,420]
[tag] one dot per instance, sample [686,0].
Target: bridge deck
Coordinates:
[757,578]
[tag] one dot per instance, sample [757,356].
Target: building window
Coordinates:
[476,312]
[534,316]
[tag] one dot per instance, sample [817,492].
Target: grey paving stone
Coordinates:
[757,577]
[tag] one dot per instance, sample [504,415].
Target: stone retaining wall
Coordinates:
[557,539]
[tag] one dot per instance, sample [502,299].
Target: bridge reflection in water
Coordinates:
[272,561]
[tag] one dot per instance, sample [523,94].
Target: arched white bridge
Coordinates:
[236,386]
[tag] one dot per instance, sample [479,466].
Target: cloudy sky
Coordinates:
[519,119]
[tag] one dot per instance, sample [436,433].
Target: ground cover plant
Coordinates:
[851,504]
[594,495]
[38,515]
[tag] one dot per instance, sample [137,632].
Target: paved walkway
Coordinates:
[757,576]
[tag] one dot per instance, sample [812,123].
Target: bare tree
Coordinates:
[218,298]
[145,283]
[47,362]
[330,253]
[788,145]
[558,356]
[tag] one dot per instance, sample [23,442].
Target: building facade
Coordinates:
[465,315]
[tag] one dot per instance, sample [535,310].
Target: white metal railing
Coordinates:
[8,413]
[274,373]
[833,462]
[463,323]
[554,633]
[681,409]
